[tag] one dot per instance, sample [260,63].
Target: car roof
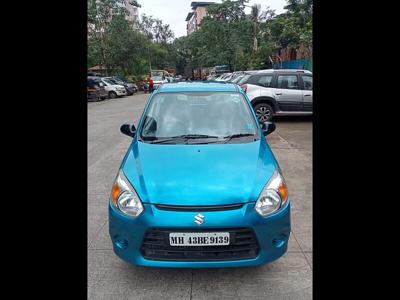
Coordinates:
[93,78]
[284,71]
[198,86]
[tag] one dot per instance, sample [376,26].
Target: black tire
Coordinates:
[112,95]
[264,112]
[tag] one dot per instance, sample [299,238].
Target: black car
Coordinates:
[95,89]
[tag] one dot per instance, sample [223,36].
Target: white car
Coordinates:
[279,92]
[158,80]
[224,77]
[113,89]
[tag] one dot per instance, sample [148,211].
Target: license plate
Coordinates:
[199,238]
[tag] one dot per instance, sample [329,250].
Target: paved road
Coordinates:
[290,277]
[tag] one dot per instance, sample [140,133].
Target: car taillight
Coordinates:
[244,87]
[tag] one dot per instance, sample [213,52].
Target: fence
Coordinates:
[305,64]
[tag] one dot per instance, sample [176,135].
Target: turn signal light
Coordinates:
[115,191]
[283,191]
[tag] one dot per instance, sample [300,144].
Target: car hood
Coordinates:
[210,174]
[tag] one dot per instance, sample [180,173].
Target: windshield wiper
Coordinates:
[237,135]
[184,137]
[194,136]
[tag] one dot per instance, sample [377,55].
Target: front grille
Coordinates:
[243,245]
[199,208]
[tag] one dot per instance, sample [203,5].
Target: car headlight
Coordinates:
[124,197]
[273,196]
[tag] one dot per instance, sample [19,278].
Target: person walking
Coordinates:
[151,84]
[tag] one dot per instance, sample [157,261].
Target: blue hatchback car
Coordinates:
[199,186]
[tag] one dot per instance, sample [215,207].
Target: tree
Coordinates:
[126,46]
[257,16]
[100,15]
[155,30]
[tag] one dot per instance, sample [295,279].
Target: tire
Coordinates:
[112,95]
[264,112]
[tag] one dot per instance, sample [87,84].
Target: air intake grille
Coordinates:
[243,245]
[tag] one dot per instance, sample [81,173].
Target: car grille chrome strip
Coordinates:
[199,208]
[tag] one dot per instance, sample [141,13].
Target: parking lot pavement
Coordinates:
[290,277]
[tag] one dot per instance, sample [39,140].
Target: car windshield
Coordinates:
[201,117]
[109,81]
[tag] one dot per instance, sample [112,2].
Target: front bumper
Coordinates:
[268,231]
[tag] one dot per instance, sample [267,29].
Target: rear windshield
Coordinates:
[244,79]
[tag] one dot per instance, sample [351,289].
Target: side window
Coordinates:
[261,80]
[307,81]
[265,81]
[288,82]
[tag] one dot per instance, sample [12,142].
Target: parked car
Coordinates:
[199,186]
[233,76]
[158,81]
[146,87]
[96,89]
[113,89]
[279,92]
[224,77]
[237,79]
[134,86]
[130,87]
[214,77]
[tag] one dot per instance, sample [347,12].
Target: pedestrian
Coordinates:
[151,84]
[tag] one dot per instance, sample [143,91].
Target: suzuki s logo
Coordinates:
[199,219]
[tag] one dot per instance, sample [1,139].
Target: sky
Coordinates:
[174,12]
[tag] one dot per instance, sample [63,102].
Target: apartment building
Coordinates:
[133,12]
[193,19]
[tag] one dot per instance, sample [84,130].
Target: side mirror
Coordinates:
[267,127]
[128,129]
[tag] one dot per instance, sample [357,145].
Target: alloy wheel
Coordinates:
[263,114]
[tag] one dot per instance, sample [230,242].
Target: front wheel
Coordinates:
[264,112]
[112,95]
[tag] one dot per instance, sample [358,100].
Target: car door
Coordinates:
[307,92]
[288,92]
[259,85]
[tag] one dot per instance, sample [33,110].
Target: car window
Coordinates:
[307,81]
[264,80]
[288,82]
[244,79]
[217,114]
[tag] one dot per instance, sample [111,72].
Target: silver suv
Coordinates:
[279,92]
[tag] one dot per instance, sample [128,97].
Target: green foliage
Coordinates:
[226,36]
[229,36]
[125,48]
[155,30]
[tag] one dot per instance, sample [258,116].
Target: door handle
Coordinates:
[278,94]
[307,95]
